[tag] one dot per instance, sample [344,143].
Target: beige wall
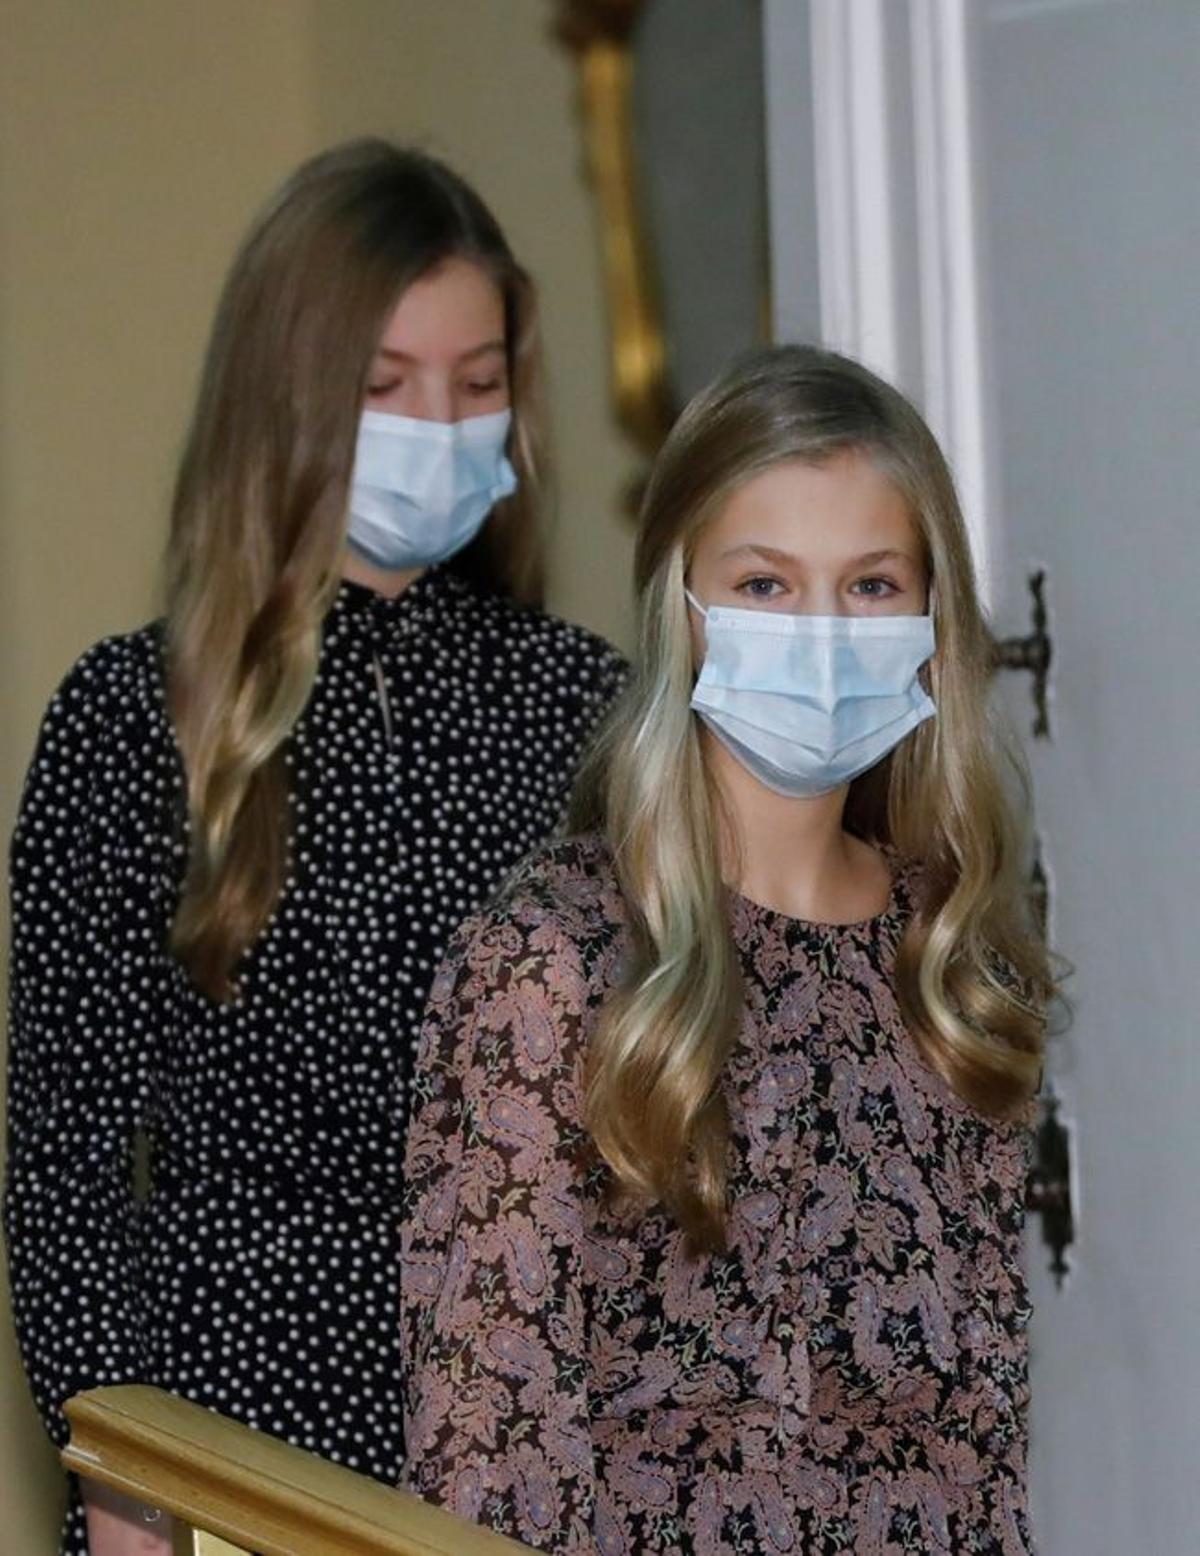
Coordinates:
[136,139]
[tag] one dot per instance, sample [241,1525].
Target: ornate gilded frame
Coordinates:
[599,32]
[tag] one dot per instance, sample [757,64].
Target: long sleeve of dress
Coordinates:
[999,1342]
[493,1318]
[981,1442]
[81,1027]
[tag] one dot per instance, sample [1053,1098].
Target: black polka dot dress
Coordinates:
[256,1272]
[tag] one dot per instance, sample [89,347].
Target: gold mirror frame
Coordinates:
[599,33]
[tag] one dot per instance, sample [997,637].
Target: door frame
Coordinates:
[897,215]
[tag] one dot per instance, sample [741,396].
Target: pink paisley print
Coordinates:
[849,1377]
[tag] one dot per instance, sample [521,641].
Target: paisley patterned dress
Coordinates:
[849,1377]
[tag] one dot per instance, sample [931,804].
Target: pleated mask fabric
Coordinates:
[807,703]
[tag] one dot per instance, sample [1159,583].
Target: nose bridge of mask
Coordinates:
[429,461]
[828,660]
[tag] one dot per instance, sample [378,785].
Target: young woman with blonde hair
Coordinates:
[249,831]
[714,1182]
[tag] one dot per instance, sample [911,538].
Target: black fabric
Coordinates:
[259,1274]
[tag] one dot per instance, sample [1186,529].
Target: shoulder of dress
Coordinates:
[568,887]
[557,920]
[105,740]
[107,722]
[530,632]
[117,674]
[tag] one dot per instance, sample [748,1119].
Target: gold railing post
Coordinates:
[201,1544]
[232,1491]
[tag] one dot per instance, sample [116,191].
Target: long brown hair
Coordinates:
[972,980]
[260,509]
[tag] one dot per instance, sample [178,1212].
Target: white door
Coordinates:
[1088,141]
[1039,161]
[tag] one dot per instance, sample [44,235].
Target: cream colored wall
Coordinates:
[136,139]
[484,85]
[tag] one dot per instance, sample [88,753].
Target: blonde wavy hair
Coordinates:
[973,981]
[261,500]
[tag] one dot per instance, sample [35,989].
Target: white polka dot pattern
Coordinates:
[259,1274]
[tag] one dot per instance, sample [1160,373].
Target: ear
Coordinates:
[696,616]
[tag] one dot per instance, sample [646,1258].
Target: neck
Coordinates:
[793,854]
[383,580]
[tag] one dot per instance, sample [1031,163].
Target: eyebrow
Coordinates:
[467,356]
[786,558]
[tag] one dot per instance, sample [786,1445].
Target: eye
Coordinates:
[761,587]
[384,388]
[483,387]
[875,588]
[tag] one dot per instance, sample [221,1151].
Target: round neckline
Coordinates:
[359,598]
[762,912]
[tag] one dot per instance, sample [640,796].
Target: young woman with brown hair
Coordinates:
[249,831]
[715,1176]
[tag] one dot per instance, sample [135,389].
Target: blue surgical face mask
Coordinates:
[421,490]
[806,703]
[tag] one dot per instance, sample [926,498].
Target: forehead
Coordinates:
[454,308]
[821,514]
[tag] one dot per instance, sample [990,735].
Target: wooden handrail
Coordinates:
[250,1489]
